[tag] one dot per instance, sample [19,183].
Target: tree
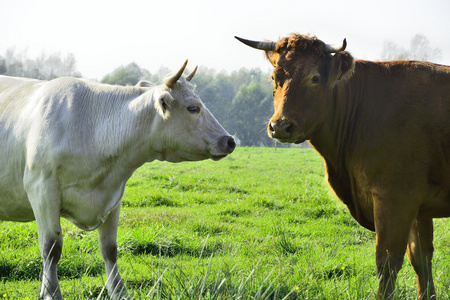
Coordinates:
[251,109]
[419,50]
[3,68]
[245,77]
[52,66]
[130,74]
[44,67]
[217,93]
[14,63]
[391,51]
[124,75]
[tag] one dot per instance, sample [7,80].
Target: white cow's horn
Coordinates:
[335,49]
[192,74]
[170,81]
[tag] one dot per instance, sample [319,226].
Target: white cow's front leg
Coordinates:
[51,247]
[107,233]
[44,198]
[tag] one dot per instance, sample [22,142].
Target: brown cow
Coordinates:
[383,129]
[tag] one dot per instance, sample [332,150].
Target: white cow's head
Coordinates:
[185,129]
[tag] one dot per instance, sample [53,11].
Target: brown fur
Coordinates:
[383,129]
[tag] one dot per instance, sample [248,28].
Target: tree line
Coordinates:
[241,101]
[44,67]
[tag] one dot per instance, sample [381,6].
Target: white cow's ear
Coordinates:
[144,83]
[165,101]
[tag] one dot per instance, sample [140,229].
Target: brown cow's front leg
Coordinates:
[392,225]
[420,251]
[389,264]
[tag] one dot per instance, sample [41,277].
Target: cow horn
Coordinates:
[170,81]
[192,74]
[267,46]
[336,49]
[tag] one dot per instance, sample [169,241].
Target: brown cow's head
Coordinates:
[305,73]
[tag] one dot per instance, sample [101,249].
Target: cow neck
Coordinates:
[141,129]
[335,141]
[119,131]
[351,116]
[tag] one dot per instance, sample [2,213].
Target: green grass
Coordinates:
[260,224]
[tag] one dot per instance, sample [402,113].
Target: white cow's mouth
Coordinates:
[199,156]
[215,151]
[179,156]
[218,157]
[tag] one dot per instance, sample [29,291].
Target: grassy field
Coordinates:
[260,224]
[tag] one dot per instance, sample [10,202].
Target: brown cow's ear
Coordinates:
[272,56]
[341,67]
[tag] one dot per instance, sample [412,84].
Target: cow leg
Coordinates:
[392,226]
[420,251]
[108,248]
[50,243]
[44,199]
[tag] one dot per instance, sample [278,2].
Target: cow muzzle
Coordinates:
[225,146]
[281,131]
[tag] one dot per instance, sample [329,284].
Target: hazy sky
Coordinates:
[106,34]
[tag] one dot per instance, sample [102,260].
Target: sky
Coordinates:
[104,35]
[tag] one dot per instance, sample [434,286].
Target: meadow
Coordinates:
[259,224]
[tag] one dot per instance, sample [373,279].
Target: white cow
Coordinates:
[68,146]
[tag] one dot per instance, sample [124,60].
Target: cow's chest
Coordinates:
[88,208]
[354,192]
[89,191]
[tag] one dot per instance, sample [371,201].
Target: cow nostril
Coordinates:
[227,144]
[289,129]
[281,129]
[272,131]
[231,144]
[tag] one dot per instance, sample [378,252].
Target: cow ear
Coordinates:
[272,56]
[164,103]
[341,66]
[144,83]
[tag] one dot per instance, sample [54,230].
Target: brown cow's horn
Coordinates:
[170,81]
[192,74]
[267,46]
[336,49]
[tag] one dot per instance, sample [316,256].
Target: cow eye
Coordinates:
[316,79]
[193,109]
